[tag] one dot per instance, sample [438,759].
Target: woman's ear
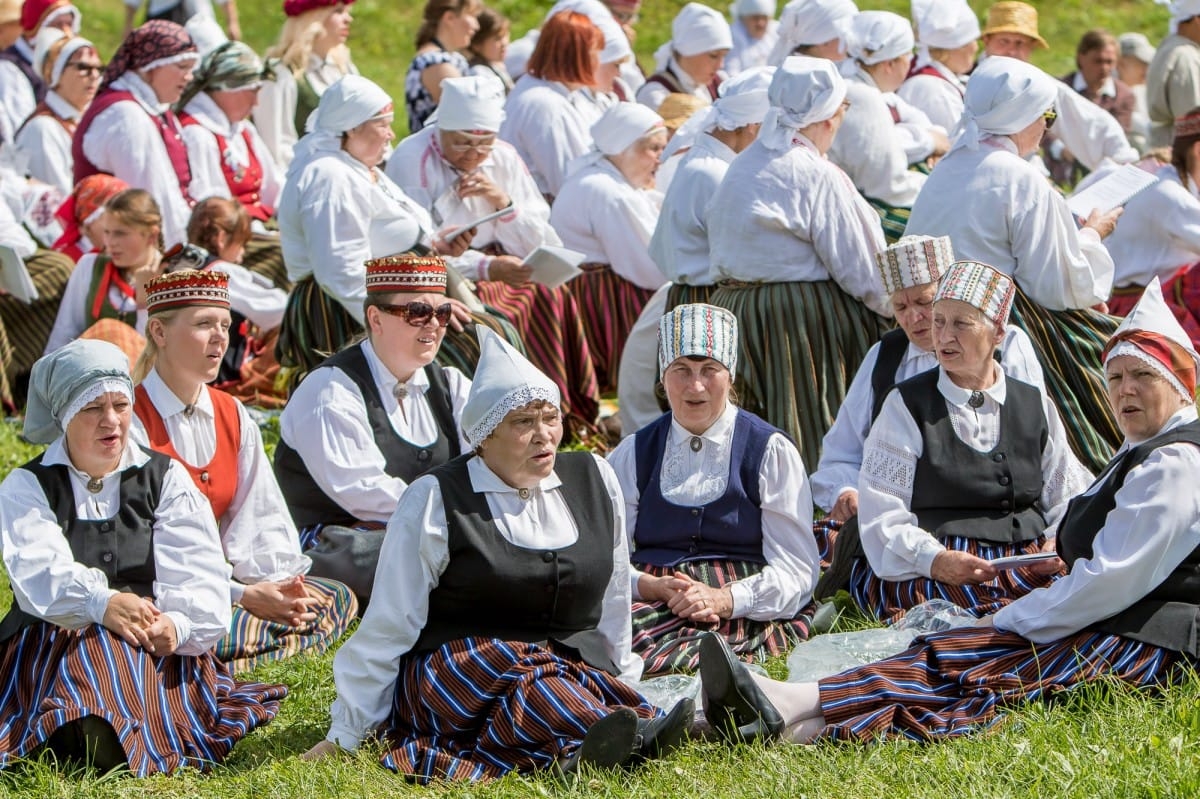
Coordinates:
[156,330]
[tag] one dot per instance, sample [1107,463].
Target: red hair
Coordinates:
[564,51]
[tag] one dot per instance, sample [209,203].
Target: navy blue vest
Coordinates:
[729,527]
[15,56]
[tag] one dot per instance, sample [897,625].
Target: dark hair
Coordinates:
[434,11]
[564,49]
[218,215]
[491,24]
[1095,39]
[1181,152]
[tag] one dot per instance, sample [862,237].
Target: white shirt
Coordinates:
[417,166]
[1016,222]
[689,478]
[336,214]
[941,100]
[254,296]
[73,309]
[1172,86]
[325,421]
[636,401]
[842,447]
[679,245]
[1154,526]
[549,125]
[12,232]
[191,584]
[896,547]
[1158,233]
[205,157]
[747,52]
[601,214]
[795,216]
[257,533]
[123,140]
[45,145]
[275,115]
[415,553]
[1088,131]
[17,100]
[651,93]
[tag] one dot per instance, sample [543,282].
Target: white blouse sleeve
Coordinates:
[204,159]
[623,224]
[1088,131]
[275,116]
[842,447]
[623,460]
[616,616]
[68,324]
[337,232]
[1063,476]
[47,152]
[1154,526]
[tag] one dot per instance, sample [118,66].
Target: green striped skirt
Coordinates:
[893,218]
[25,328]
[800,346]
[264,256]
[683,294]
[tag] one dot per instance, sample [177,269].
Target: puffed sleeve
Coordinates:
[616,617]
[337,232]
[275,116]
[842,447]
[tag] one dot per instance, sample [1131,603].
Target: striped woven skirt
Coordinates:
[952,683]
[1182,293]
[168,712]
[894,219]
[252,641]
[668,643]
[264,256]
[684,294]
[800,346]
[24,329]
[1068,345]
[825,532]
[888,601]
[551,326]
[478,708]
[610,305]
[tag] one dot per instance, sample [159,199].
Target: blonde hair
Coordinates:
[149,356]
[295,42]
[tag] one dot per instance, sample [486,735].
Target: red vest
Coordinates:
[246,185]
[217,480]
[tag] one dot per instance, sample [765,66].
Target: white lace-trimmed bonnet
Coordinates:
[914,261]
[69,378]
[1152,315]
[980,286]
[698,329]
[504,381]
[877,36]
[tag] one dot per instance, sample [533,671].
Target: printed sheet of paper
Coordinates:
[1111,191]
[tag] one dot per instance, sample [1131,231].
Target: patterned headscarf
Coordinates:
[156,43]
[232,65]
[86,201]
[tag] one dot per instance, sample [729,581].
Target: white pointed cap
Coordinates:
[504,381]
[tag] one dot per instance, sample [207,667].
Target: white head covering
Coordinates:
[980,286]
[67,379]
[914,261]
[1180,10]
[616,43]
[1136,45]
[345,105]
[1152,315]
[803,90]
[471,103]
[47,38]
[504,381]
[696,29]
[519,52]
[742,101]
[808,22]
[206,33]
[752,8]
[698,329]
[944,24]
[622,125]
[878,36]
[1003,96]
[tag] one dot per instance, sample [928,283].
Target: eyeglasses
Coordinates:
[418,313]
[87,69]
[462,148]
[1050,115]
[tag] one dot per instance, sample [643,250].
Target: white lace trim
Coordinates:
[683,483]
[890,469]
[109,384]
[513,400]
[1127,348]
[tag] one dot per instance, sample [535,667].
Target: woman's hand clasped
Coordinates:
[139,623]
[284,602]
[687,598]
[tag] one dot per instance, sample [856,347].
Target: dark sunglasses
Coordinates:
[418,313]
[1050,116]
[87,69]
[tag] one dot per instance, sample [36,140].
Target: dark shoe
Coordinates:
[608,743]
[736,707]
[663,735]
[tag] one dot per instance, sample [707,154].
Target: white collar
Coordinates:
[206,111]
[957,395]
[132,82]
[168,404]
[385,380]
[714,146]
[485,481]
[25,49]
[1107,89]
[719,431]
[56,454]
[61,108]
[912,352]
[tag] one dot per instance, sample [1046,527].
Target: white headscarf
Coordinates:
[742,101]
[345,105]
[696,29]
[504,381]
[616,43]
[808,22]
[878,36]
[1003,96]
[47,38]
[471,103]
[752,8]
[944,24]
[803,91]
[617,130]
[1181,10]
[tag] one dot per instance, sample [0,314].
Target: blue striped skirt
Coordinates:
[952,683]
[168,712]
[888,601]
[478,708]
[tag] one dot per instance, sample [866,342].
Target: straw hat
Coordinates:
[1013,17]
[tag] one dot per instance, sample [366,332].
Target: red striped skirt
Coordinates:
[888,601]
[478,708]
[168,712]
[669,643]
[610,305]
[552,328]
[952,683]
[1182,293]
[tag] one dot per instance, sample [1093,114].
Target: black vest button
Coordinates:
[547,556]
[1005,480]
[1005,504]
[695,511]
[107,557]
[203,477]
[105,527]
[693,549]
[998,457]
[423,455]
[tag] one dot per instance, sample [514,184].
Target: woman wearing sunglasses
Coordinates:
[278,611]
[371,419]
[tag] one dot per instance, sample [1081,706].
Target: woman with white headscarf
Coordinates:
[947,40]
[712,139]
[120,588]
[999,210]
[755,32]
[607,210]
[813,28]
[791,239]
[690,62]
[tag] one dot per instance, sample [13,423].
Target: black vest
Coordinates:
[892,346]
[1169,615]
[494,589]
[309,504]
[990,496]
[14,56]
[122,547]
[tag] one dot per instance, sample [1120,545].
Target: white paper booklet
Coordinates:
[458,231]
[553,266]
[1111,191]
[1019,561]
[14,277]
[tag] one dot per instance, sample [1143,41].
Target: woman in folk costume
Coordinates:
[130,131]
[963,465]
[1021,226]
[947,40]
[459,171]
[792,239]
[105,296]
[607,210]
[72,69]
[690,61]
[120,589]
[278,612]
[447,27]
[1127,608]
[717,509]
[814,28]
[499,639]
[312,57]
[754,31]
[81,215]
